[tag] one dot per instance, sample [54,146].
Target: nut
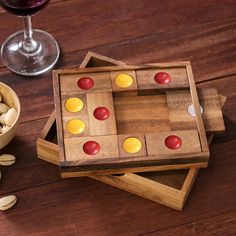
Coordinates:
[4,129]
[7,202]
[0,97]
[2,118]
[7,160]
[3,108]
[10,116]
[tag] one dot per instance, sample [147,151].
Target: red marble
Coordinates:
[101,113]
[85,83]
[162,78]
[173,142]
[91,148]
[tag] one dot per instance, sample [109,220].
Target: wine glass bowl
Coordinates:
[28,52]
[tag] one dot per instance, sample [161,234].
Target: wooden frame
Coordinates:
[131,164]
[164,192]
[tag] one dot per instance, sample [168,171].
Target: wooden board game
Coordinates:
[169,188]
[112,130]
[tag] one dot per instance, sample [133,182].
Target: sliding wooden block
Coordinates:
[76,126]
[75,115]
[182,114]
[90,149]
[85,83]
[74,105]
[124,81]
[101,114]
[132,145]
[162,78]
[174,142]
[141,114]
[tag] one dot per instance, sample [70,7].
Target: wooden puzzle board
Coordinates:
[162,183]
[132,116]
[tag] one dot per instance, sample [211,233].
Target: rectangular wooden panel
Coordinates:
[108,148]
[156,142]
[179,78]
[68,83]
[98,127]
[141,114]
[180,110]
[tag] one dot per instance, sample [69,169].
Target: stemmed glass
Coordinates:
[28,52]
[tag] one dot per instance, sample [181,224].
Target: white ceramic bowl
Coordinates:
[10,98]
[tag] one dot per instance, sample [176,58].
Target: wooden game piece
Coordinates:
[141,114]
[74,104]
[90,82]
[124,81]
[134,147]
[75,126]
[189,142]
[99,147]
[173,142]
[162,78]
[97,126]
[179,103]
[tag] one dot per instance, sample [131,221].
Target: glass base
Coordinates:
[30,64]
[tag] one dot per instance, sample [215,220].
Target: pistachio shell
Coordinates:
[7,159]
[10,116]
[0,97]
[3,108]
[2,118]
[4,129]
[7,202]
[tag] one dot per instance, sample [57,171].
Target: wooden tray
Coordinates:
[169,188]
[141,111]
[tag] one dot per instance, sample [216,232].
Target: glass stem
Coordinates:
[28,45]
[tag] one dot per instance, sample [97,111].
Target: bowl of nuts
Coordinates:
[9,114]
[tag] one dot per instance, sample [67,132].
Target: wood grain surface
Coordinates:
[203,32]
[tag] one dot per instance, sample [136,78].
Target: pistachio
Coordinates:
[7,159]
[10,116]
[0,97]
[2,118]
[7,202]
[3,108]
[4,129]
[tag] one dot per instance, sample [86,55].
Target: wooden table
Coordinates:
[147,31]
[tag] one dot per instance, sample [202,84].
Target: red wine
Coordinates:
[23,7]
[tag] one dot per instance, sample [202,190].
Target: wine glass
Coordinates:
[28,52]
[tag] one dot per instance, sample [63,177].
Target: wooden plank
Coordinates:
[146,78]
[68,83]
[101,127]
[179,102]
[140,114]
[224,224]
[156,142]
[108,148]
